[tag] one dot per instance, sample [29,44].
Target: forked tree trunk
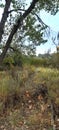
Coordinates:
[15,28]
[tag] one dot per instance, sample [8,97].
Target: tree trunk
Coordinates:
[15,28]
[4,18]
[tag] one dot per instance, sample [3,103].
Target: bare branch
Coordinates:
[40,20]
[14,10]
[53,39]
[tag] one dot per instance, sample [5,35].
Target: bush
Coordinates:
[55,60]
[38,61]
[18,61]
[8,61]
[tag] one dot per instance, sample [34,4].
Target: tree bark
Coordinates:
[15,28]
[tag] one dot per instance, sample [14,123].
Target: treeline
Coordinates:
[18,59]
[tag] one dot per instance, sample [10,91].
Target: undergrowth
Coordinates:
[17,88]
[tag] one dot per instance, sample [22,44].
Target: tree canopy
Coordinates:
[21,22]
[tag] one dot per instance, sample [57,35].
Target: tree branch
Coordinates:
[15,10]
[40,20]
[14,49]
[53,39]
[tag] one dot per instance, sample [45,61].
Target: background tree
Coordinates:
[19,23]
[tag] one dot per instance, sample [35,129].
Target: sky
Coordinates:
[53,23]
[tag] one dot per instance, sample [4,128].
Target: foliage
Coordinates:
[13,59]
[8,61]
[17,59]
[54,61]
[21,23]
[38,61]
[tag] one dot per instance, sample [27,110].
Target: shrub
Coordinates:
[38,61]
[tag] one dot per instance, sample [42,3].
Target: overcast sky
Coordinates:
[53,23]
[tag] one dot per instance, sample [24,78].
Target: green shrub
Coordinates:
[18,61]
[8,61]
[38,61]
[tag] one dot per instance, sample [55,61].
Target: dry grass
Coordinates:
[16,90]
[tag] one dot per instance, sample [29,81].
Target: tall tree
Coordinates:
[25,21]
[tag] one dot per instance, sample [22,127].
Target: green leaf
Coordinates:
[1,5]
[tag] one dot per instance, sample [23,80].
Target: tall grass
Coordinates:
[15,82]
[51,78]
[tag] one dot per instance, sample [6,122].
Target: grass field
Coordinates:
[19,109]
